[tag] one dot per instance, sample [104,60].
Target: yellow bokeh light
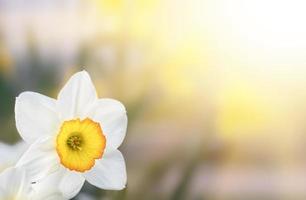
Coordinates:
[242,111]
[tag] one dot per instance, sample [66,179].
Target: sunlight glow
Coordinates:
[270,30]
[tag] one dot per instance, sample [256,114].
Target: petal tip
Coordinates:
[82,73]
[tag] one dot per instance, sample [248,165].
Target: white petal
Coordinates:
[2,193]
[40,159]
[111,115]
[51,197]
[13,181]
[35,116]
[76,96]
[7,156]
[109,172]
[54,197]
[71,184]
[49,187]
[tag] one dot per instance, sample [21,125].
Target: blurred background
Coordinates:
[215,90]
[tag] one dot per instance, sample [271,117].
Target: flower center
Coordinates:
[75,142]
[79,143]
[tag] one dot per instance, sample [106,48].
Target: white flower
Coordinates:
[9,154]
[15,184]
[76,136]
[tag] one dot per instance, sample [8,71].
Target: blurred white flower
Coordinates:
[9,154]
[15,184]
[75,136]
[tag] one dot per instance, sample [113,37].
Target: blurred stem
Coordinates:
[153,176]
[119,195]
[181,190]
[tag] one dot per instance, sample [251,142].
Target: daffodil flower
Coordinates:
[76,136]
[15,184]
